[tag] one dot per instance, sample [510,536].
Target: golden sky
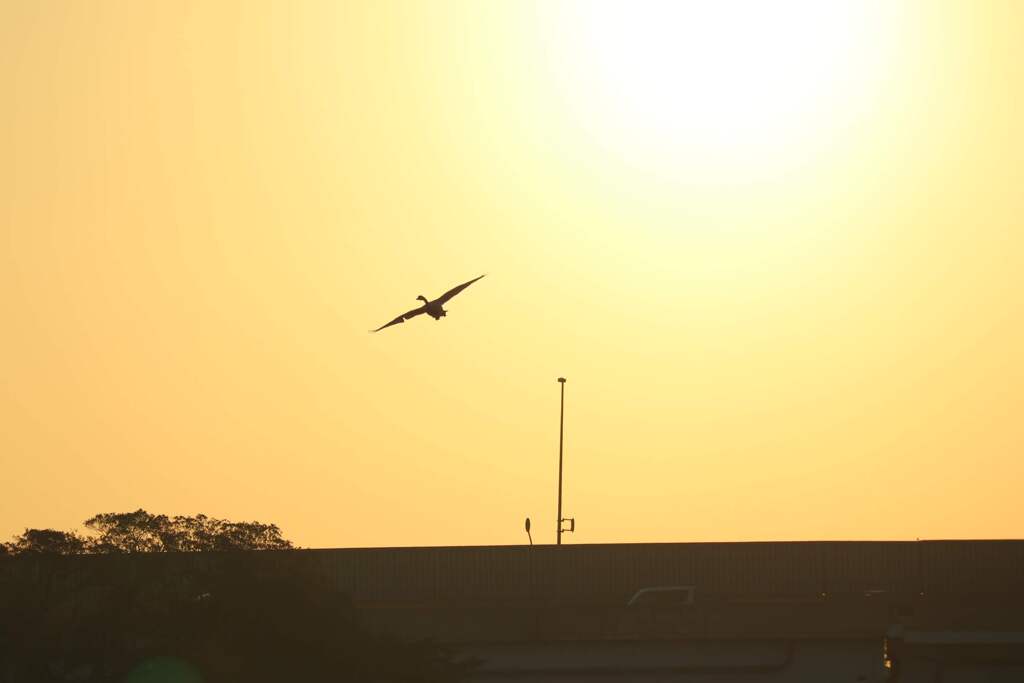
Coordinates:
[778,253]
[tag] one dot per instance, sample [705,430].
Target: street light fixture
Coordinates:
[561,433]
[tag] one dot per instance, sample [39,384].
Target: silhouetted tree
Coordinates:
[142,532]
[129,532]
[205,533]
[48,541]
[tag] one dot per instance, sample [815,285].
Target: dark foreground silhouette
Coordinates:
[435,308]
[115,611]
[228,624]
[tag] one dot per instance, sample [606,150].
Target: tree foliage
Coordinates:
[48,541]
[142,532]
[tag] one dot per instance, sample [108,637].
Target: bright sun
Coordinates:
[742,83]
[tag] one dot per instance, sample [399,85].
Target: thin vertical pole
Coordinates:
[561,432]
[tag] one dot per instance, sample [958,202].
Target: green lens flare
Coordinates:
[164,670]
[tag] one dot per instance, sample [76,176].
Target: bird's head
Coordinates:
[422,298]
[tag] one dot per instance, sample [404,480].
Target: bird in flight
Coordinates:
[435,308]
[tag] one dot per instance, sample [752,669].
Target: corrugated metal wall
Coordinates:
[472,574]
[855,567]
[972,567]
[599,574]
[612,573]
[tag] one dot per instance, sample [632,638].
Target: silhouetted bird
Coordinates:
[432,308]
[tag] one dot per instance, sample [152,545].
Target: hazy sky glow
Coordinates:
[778,253]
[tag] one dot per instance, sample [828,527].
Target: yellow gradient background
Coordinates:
[778,256]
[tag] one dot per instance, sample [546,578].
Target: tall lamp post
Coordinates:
[561,432]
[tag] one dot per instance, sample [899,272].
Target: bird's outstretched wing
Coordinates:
[455,290]
[402,318]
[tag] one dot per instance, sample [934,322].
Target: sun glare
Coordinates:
[749,84]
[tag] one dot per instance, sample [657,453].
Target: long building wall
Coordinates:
[586,574]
